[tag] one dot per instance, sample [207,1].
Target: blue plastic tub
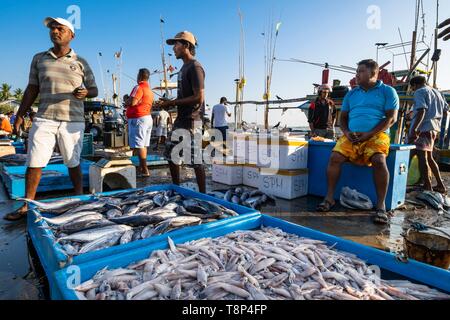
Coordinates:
[53,259]
[414,271]
[152,160]
[357,177]
[20,147]
[16,185]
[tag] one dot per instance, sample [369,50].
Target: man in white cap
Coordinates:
[322,114]
[63,80]
[190,104]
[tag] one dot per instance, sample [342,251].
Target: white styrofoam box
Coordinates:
[253,149]
[229,174]
[284,154]
[240,145]
[251,176]
[285,184]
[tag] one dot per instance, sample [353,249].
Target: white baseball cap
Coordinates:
[61,21]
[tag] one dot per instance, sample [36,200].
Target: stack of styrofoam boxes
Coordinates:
[229,172]
[284,163]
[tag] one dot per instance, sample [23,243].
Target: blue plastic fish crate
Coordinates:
[20,147]
[413,270]
[16,185]
[53,259]
[357,177]
[152,160]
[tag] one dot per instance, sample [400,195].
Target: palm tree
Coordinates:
[18,94]
[5,92]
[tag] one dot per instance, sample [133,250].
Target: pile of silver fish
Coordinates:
[266,264]
[252,199]
[85,226]
[436,201]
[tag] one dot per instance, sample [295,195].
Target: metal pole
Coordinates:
[436,32]
[163,56]
[237,125]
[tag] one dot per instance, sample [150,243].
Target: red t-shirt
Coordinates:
[145,97]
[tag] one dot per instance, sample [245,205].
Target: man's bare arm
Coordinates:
[196,99]
[29,97]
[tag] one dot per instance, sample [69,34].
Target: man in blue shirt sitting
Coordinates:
[367,114]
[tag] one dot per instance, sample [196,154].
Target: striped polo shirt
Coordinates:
[57,78]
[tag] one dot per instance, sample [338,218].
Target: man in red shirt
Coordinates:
[322,114]
[140,122]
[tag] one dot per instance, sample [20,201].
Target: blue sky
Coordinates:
[319,31]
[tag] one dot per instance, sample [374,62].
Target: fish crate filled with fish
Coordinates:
[75,230]
[54,177]
[259,258]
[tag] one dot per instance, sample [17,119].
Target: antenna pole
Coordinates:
[163,57]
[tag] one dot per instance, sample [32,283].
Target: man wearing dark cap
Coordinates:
[190,105]
[63,80]
[218,118]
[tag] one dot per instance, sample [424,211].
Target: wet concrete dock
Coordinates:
[19,281]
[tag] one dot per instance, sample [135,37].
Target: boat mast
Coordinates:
[436,33]
[163,58]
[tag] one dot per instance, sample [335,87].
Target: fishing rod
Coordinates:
[326,65]
[105,93]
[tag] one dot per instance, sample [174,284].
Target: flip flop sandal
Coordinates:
[439,190]
[325,206]
[15,216]
[382,217]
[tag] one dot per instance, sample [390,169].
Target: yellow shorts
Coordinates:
[362,153]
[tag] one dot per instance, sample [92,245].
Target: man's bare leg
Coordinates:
[333,175]
[201,178]
[381,179]
[175,173]
[142,155]
[32,179]
[77,179]
[424,169]
[436,172]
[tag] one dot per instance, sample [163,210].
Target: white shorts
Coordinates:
[140,132]
[42,139]
[161,132]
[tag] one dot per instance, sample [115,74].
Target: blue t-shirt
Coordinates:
[368,108]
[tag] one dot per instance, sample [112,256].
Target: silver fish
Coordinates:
[103,242]
[94,234]
[69,217]
[127,237]
[63,204]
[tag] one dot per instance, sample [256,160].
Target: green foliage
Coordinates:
[5,109]
[5,92]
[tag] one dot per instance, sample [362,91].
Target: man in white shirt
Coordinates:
[218,119]
[163,120]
